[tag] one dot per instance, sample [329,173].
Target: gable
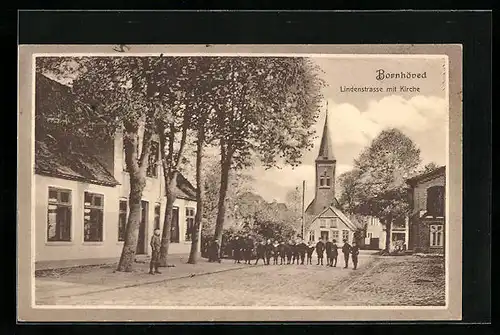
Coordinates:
[332,213]
[328,213]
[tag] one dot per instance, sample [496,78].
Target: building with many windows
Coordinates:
[325,218]
[427,219]
[81,203]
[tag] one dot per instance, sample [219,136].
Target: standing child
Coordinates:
[268,251]
[320,249]
[275,252]
[302,248]
[328,250]
[346,249]
[354,254]
[289,251]
[335,252]
[310,250]
[295,252]
[155,252]
[261,252]
[282,252]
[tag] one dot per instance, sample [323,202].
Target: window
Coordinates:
[59,215]
[311,236]
[154,154]
[369,235]
[345,235]
[189,223]
[333,223]
[335,235]
[324,179]
[93,217]
[435,201]
[122,220]
[399,223]
[322,223]
[436,235]
[157,216]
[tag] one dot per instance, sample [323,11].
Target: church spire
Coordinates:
[326,148]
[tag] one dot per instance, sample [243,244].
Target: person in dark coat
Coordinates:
[282,252]
[320,250]
[295,252]
[249,246]
[354,254]
[335,253]
[268,251]
[260,250]
[289,251]
[210,250]
[214,252]
[310,250]
[302,248]
[276,254]
[237,249]
[155,252]
[346,249]
[328,250]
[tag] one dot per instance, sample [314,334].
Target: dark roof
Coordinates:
[426,176]
[53,156]
[50,160]
[184,189]
[310,208]
[326,148]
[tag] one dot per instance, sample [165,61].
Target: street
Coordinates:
[377,281]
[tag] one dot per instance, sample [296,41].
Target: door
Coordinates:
[324,235]
[141,240]
[174,229]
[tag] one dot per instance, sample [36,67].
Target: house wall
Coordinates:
[110,247]
[419,225]
[420,192]
[377,230]
[76,248]
[315,226]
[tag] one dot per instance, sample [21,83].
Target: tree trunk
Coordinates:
[221,206]
[388,224]
[167,223]
[193,255]
[137,184]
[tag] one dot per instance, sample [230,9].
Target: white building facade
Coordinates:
[81,200]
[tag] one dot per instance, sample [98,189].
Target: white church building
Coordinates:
[324,218]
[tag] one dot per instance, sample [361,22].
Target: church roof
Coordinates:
[310,208]
[326,148]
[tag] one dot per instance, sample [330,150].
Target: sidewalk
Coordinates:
[74,281]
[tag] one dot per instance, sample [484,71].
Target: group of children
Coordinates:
[293,252]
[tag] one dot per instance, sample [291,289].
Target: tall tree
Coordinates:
[201,124]
[113,93]
[381,170]
[176,86]
[265,109]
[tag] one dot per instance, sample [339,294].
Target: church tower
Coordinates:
[325,171]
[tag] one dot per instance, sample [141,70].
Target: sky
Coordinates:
[356,118]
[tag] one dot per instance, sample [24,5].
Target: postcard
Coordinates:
[239,183]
